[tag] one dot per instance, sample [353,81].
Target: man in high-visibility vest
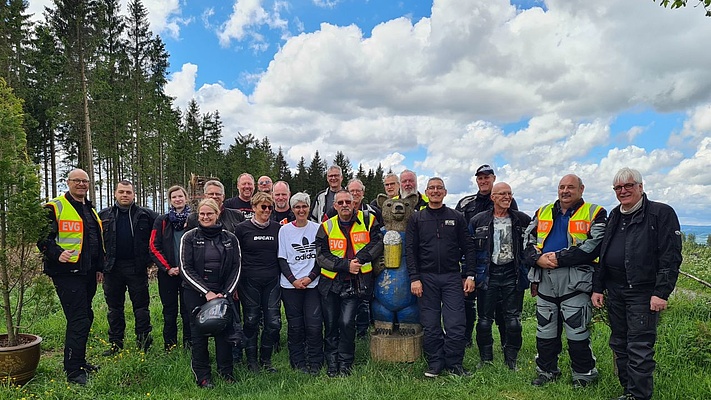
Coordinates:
[346,245]
[563,243]
[73,254]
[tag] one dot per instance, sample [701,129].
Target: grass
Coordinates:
[683,371]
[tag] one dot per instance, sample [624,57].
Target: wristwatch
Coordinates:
[471,278]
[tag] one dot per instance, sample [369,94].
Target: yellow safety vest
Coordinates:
[578,225]
[360,237]
[70,226]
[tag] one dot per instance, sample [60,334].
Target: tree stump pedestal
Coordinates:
[396,347]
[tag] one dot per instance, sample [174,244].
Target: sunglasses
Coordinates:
[265,207]
[342,202]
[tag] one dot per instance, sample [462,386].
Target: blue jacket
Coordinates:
[481,228]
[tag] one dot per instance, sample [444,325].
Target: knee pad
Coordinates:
[513,325]
[484,325]
[576,319]
[547,318]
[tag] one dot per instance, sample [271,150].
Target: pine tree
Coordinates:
[283,172]
[316,173]
[342,161]
[301,179]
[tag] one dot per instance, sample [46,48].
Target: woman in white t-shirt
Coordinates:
[302,303]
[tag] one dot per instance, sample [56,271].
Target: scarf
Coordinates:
[633,209]
[178,219]
[211,231]
[259,224]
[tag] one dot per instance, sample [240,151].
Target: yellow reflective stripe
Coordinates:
[70,227]
[333,231]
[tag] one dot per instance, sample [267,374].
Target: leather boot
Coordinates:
[251,353]
[265,358]
[510,357]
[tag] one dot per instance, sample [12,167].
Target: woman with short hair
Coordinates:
[259,290]
[299,277]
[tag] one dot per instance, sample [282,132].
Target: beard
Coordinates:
[404,193]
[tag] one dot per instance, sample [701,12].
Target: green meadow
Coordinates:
[683,354]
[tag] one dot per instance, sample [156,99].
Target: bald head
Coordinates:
[570,191]
[501,196]
[78,182]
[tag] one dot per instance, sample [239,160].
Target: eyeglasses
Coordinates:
[213,194]
[78,181]
[265,207]
[435,187]
[627,186]
[265,182]
[333,176]
[342,202]
[503,193]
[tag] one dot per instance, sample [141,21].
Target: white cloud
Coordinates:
[442,89]
[326,3]
[247,17]
[181,85]
[163,16]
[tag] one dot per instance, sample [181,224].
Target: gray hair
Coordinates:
[337,168]
[391,175]
[358,181]
[410,172]
[213,182]
[300,197]
[625,174]
[437,178]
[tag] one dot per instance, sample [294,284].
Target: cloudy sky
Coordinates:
[538,89]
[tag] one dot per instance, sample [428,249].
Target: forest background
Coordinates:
[93,81]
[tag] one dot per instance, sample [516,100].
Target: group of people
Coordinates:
[266,247]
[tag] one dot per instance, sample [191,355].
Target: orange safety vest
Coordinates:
[359,235]
[578,225]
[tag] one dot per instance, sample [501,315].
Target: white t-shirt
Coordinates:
[297,246]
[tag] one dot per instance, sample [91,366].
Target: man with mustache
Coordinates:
[563,245]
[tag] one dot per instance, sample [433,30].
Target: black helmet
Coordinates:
[212,317]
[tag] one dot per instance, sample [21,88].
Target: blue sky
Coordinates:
[538,89]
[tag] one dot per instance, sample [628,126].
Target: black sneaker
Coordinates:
[458,370]
[580,383]
[206,384]
[345,371]
[90,367]
[484,364]
[625,396]
[314,369]
[144,343]
[77,377]
[512,365]
[252,366]
[332,372]
[543,379]
[115,348]
[431,373]
[268,367]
